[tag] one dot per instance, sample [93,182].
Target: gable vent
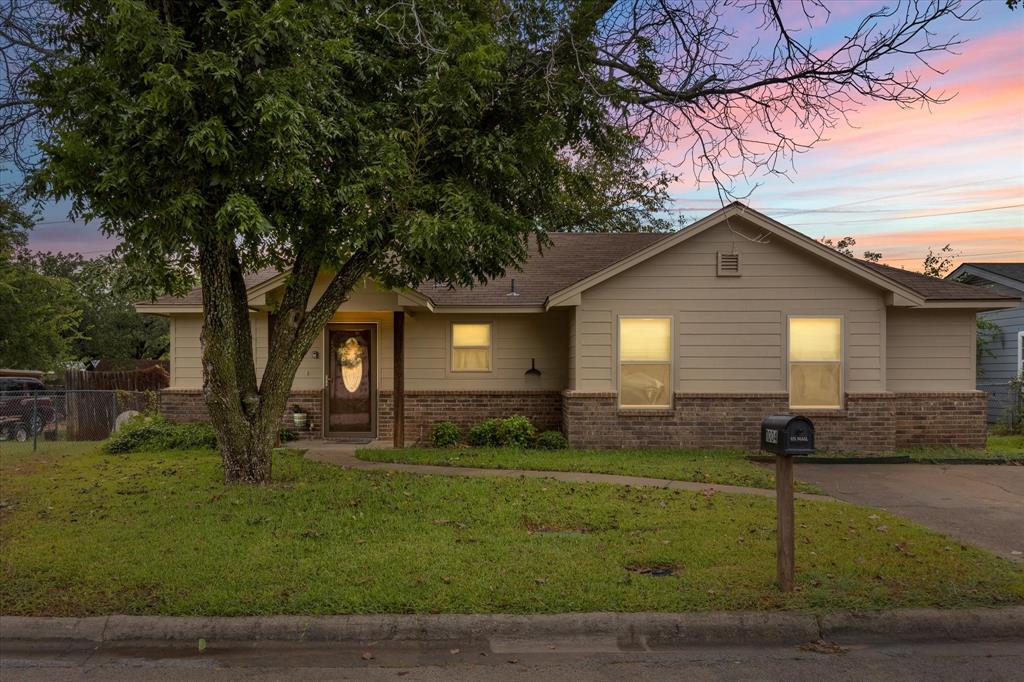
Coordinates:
[728,264]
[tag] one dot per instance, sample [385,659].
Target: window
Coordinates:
[1020,353]
[471,347]
[645,361]
[815,362]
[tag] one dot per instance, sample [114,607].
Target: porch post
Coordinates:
[398,422]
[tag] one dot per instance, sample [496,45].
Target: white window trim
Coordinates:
[671,362]
[1020,353]
[842,363]
[489,348]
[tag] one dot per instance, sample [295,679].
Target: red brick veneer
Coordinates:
[869,423]
[941,419]
[423,409]
[182,405]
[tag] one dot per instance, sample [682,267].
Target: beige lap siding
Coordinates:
[930,350]
[516,338]
[186,353]
[730,332]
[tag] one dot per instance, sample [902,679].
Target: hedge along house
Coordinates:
[686,339]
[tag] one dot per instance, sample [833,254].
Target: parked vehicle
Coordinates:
[24,407]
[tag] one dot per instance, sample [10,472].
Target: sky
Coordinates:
[899,181]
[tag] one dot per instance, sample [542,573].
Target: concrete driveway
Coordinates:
[979,504]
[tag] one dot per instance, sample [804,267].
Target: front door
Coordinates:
[351,388]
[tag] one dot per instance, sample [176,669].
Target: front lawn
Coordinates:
[723,467]
[1009,448]
[94,533]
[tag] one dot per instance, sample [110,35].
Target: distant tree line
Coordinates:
[57,308]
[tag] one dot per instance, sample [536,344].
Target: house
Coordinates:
[1005,357]
[686,339]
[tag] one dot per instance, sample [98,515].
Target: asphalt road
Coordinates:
[495,661]
[981,504]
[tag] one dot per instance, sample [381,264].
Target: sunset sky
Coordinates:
[900,182]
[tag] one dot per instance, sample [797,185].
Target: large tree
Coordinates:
[418,140]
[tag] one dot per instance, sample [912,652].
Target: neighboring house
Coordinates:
[685,339]
[1005,359]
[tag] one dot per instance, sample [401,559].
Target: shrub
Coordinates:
[516,432]
[551,440]
[485,434]
[445,435]
[286,435]
[149,433]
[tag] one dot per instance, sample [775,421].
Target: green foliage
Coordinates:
[551,440]
[1012,421]
[987,332]
[150,433]
[442,139]
[39,318]
[286,435]
[516,432]
[107,290]
[485,434]
[445,435]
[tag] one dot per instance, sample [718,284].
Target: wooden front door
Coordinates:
[351,387]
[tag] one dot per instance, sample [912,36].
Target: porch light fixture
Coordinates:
[533,371]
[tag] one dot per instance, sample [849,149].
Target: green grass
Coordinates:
[998,447]
[16,457]
[722,467]
[159,533]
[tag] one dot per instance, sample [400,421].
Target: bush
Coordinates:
[286,435]
[485,434]
[551,440]
[445,435]
[149,433]
[516,432]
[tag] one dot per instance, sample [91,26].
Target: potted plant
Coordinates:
[298,417]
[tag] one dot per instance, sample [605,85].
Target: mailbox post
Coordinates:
[785,437]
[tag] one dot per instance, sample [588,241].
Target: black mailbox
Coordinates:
[784,434]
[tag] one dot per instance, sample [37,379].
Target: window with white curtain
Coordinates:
[645,361]
[471,347]
[815,362]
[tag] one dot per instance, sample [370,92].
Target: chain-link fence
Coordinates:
[62,415]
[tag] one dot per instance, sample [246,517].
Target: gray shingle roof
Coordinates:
[932,288]
[572,257]
[1010,270]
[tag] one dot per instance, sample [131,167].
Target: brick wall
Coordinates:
[941,419]
[188,406]
[467,408]
[869,423]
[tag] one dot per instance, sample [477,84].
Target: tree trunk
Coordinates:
[245,414]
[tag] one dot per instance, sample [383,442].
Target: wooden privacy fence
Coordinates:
[152,379]
[95,399]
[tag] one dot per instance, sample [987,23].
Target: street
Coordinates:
[497,659]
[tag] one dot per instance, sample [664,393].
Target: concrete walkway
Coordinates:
[982,504]
[344,455]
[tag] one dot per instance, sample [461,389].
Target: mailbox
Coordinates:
[783,434]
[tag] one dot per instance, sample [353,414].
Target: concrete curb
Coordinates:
[645,630]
